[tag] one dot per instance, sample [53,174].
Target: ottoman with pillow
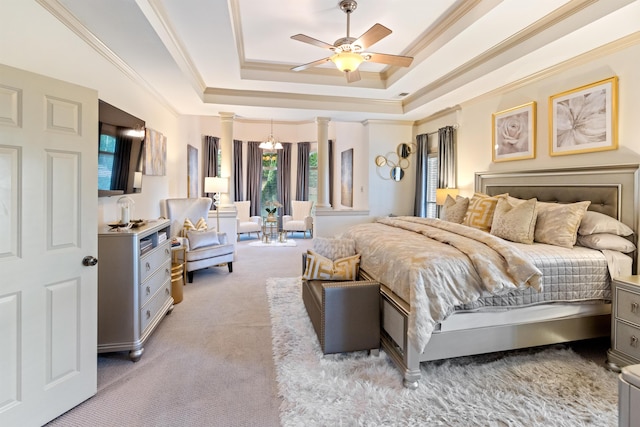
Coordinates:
[345,312]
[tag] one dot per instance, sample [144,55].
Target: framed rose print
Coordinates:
[514,133]
[584,119]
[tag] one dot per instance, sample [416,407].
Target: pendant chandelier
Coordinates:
[271,143]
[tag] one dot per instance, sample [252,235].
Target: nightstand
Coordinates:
[625,323]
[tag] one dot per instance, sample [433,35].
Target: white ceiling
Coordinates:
[204,57]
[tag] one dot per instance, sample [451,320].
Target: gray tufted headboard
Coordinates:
[612,190]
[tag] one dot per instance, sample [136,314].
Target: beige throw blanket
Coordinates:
[435,265]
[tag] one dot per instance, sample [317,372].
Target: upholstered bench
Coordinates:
[345,315]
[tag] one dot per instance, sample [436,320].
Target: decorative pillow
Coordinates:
[201,225]
[454,210]
[201,239]
[606,241]
[480,211]
[596,222]
[558,224]
[334,248]
[322,268]
[515,223]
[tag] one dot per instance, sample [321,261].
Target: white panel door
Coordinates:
[48,223]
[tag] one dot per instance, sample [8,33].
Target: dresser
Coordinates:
[625,322]
[134,285]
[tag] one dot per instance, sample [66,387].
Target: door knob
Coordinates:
[89,261]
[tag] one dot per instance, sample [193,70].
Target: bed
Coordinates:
[473,328]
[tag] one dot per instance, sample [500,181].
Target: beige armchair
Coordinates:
[300,218]
[246,222]
[203,249]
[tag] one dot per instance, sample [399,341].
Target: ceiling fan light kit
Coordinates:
[348,53]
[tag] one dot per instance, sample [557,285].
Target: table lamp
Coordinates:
[216,185]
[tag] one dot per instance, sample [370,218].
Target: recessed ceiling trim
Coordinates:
[159,20]
[302,101]
[70,21]
[572,16]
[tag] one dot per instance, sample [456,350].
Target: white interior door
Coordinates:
[48,223]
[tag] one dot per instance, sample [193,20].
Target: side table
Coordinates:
[178,271]
[625,323]
[270,229]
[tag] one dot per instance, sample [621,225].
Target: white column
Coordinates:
[226,145]
[323,163]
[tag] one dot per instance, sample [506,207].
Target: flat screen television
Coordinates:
[120,151]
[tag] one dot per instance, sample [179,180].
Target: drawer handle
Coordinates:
[148,266]
[166,270]
[166,291]
[148,314]
[166,251]
[633,342]
[634,307]
[148,290]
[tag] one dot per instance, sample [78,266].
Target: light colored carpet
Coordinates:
[552,386]
[288,243]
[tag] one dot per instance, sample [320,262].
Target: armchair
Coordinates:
[300,218]
[246,222]
[205,250]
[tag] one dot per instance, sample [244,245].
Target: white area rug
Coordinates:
[289,243]
[549,387]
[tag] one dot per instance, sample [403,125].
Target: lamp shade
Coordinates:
[216,184]
[347,61]
[442,193]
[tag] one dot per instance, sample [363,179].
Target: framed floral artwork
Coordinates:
[584,119]
[514,133]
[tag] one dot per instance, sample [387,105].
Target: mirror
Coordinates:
[381,161]
[397,173]
[404,150]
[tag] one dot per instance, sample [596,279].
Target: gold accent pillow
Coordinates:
[454,210]
[558,224]
[516,222]
[480,211]
[201,225]
[321,268]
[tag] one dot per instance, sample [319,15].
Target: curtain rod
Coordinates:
[455,126]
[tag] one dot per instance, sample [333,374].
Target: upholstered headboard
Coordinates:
[612,190]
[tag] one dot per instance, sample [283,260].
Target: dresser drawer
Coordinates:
[149,287]
[627,339]
[628,306]
[151,261]
[150,310]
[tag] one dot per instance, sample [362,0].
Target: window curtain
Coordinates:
[254,176]
[210,147]
[330,173]
[302,180]
[284,178]
[422,175]
[446,157]
[237,170]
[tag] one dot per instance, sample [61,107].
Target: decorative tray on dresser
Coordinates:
[134,285]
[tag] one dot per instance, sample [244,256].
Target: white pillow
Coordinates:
[201,239]
[606,241]
[596,222]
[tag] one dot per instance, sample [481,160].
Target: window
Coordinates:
[313,176]
[269,178]
[432,184]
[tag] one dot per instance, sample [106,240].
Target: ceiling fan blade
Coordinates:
[311,40]
[352,76]
[310,64]
[382,58]
[373,35]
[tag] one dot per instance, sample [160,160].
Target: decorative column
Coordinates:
[323,163]
[226,145]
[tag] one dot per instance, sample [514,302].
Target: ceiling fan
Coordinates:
[348,52]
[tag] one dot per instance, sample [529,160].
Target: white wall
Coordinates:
[474,135]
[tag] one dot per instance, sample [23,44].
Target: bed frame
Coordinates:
[612,190]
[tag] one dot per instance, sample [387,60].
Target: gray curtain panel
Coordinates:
[422,174]
[330,159]
[210,147]
[254,176]
[302,180]
[284,178]
[446,157]
[237,171]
